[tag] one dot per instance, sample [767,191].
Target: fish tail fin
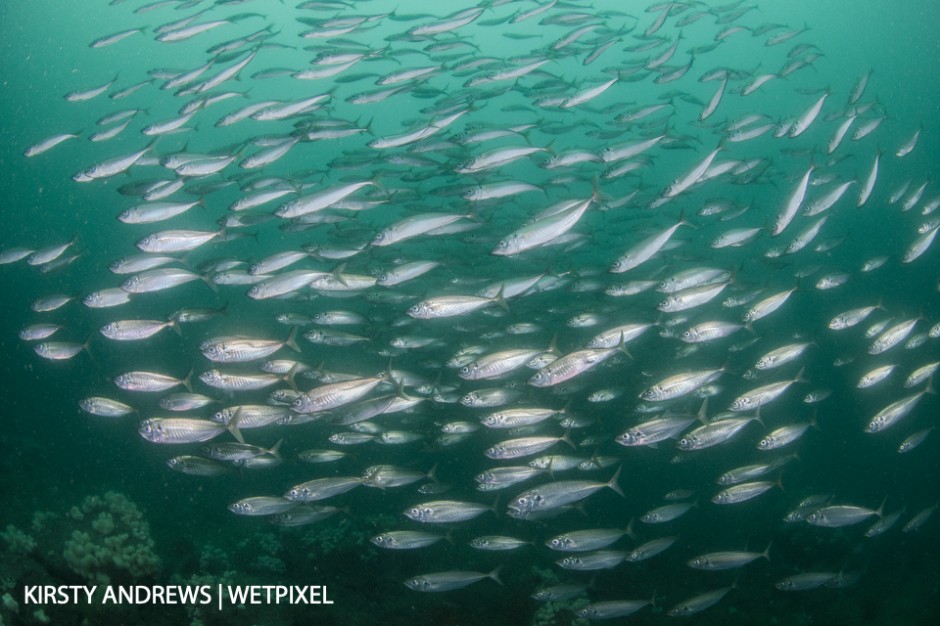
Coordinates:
[567,439]
[596,194]
[622,347]
[208,281]
[188,380]
[702,414]
[291,375]
[757,416]
[766,552]
[552,345]
[495,574]
[881,508]
[86,346]
[500,300]
[292,339]
[232,426]
[338,274]
[612,483]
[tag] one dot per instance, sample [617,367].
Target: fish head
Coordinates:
[700,562]
[764,362]
[528,501]
[876,425]
[419,583]
[210,377]
[419,311]
[490,421]
[562,542]
[471,399]
[687,443]
[384,541]
[620,265]
[94,298]
[666,285]
[382,238]
[668,305]
[508,245]
[419,513]
[241,508]
[213,351]
[152,430]
[817,518]
[767,443]
[541,378]
[470,370]
[474,193]
[213,451]
[297,494]
[85,176]
[541,360]
[224,416]
[629,438]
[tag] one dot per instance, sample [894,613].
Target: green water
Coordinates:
[55,456]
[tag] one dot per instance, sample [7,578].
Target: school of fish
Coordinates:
[528,248]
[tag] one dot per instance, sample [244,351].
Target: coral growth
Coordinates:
[113,539]
[104,538]
[17,541]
